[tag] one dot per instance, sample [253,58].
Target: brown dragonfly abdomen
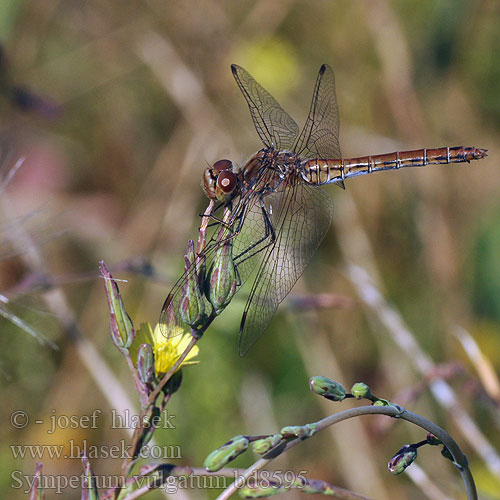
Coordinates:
[327,171]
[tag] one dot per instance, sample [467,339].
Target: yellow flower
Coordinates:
[166,350]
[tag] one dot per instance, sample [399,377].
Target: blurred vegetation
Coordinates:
[123,105]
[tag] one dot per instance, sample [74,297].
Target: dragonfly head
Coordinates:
[220,182]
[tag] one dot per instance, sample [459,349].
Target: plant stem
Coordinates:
[459,458]
[179,471]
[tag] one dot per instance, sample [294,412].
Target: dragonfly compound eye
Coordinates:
[221,165]
[226,186]
[209,182]
[217,187]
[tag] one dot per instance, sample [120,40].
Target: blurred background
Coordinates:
[111,110]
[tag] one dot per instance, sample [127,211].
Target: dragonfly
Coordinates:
[275,212]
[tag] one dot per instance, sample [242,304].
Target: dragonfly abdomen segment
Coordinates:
[327,171]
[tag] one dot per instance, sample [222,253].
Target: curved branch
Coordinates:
[460,460]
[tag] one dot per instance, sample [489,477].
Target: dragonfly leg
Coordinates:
[269,232]
[217,220]
[215,241]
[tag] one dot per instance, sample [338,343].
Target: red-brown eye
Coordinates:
[221,165]
[226,181]
[209,183]
[226,186]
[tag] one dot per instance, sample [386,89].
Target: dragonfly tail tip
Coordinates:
[482,152]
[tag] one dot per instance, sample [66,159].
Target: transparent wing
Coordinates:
[297,214]
[302,215]
[275,127]
[320,136]
[252,237]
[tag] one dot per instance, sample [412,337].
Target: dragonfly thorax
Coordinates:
[268,169]
[220,182]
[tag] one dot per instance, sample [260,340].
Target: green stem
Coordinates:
[139,386]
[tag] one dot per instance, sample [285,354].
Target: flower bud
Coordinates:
[222,278]
[402,459]
[89,486]
[226,453]
[314,486]
[122,329]
[446,454]
[174,383]
[386,402]
[150,422]
[260,491]
[300,431]
[262,446]
[360,390]
[328,388]
[433,440]
[191,303]
[145,364]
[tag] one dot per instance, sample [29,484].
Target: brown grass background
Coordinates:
[145,99]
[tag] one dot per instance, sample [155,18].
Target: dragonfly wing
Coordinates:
[275,127]
[253,235]
[320,136]
[301,218]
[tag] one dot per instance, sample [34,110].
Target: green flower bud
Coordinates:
[122,329]
[145,364]
[89,486]
[446,454]
[260,492]
[174,383]
[262,446]
[360,390]
[191,303]
[226,453]
[433,440]
[149,423]
[328,388]
[382,402]
[300,431]
[402,459]
[318,487]
[222,278]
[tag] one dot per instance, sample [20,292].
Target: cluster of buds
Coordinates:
[149,354]
[334,391]
[204,294]
[266,446]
